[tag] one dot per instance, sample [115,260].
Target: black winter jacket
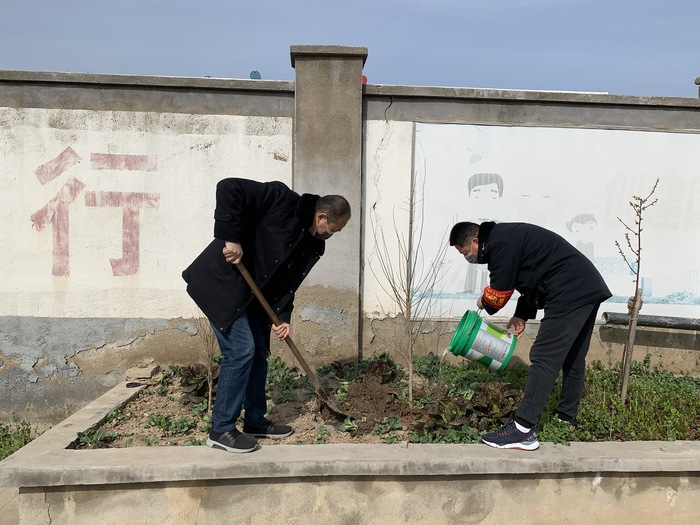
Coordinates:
[271,223]
[542,266]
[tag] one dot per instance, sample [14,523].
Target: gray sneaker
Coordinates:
[270,430]
[232,441]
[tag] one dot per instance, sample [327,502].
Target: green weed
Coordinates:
[282,381]
[118,414]
[13,437]
[93,437]
[321,435]
[170,427]
[388,425]
[349,425]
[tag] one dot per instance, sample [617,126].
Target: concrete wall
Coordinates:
[107,190]
[391,113]
[328,160]
[107,194]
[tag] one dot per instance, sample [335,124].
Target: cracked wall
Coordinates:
[50,367]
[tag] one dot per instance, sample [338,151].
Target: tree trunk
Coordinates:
[629,347]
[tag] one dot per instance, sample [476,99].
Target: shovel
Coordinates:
[323,397]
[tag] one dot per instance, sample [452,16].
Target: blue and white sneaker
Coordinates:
[510,437]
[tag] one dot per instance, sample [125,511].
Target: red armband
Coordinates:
[496,298]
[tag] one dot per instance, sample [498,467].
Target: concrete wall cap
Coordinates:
[38,77]
[569,97]
[328,52]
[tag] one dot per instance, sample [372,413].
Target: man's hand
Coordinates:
[630,305]
[517,324]
[479,304]
[282,330]
[233,252]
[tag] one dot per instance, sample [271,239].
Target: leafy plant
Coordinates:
[166,381]
[349,425]
[387,425]
[199,410]
[321,435]
[93,437]
[282,381]
[181,426]
[158,420]
[13,437]
[341,392]
[118,414]
[194,383]
[171,426]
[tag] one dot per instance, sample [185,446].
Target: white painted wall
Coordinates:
[170,162]
[175,161]
[388,166]
[551,175]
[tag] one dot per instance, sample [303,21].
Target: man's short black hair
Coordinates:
[463,232]
[335,207]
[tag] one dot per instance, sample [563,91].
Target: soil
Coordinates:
[369,401]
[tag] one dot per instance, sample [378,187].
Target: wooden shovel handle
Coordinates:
[273,317]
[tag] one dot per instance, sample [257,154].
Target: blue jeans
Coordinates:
[243,372]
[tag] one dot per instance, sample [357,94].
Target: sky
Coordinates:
[623,47]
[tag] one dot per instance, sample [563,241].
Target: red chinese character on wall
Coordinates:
[56,211]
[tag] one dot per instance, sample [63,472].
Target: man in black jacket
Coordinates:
[551,274]
[279,235]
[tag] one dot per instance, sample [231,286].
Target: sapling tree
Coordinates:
[406,277]
[633,241]
[210,347]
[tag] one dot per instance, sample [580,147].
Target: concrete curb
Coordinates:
[46,461]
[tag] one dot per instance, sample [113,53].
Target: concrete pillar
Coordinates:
[328,160]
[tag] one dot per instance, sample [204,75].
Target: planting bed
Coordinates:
[451,404]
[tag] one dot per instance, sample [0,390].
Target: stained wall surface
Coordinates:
[107,193]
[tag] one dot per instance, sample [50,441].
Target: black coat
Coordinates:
[542,266]
[271,223]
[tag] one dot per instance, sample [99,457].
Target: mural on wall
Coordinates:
[575,182]
[102,210]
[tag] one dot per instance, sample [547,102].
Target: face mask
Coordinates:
[323,236]
[470,258]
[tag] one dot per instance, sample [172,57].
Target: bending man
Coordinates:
[550,274]
[279,235]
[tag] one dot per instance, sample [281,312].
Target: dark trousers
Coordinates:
[561,344]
